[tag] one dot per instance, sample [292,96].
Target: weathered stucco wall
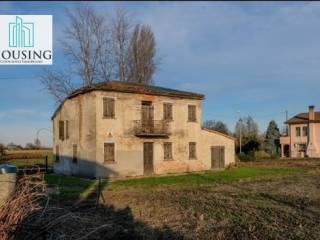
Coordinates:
[81,114]
[211,139]
[90,130]
[313,134]
[129,148]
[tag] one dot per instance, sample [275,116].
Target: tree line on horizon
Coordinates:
[254,143]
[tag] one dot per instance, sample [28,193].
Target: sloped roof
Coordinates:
[303,118]
[219,133]
[127,87]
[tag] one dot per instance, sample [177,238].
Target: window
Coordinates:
[167,150]
[305,131]
[298,131]
[109,152]
[61,130]
[192,113]
[57,156]
[74,153]
[108,107]
[167,111]
[192,150]
[302,147]
[67,129]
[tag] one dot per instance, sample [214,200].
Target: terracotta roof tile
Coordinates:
[127,87]
[303,118]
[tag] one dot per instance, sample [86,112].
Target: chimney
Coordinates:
[311,113]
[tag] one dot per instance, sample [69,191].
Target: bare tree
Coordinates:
[100,50]
[217,126]
[86,43]
[142,55]
[121,34]
[58,84]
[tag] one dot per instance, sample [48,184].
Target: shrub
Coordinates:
[261,155]
[246,157]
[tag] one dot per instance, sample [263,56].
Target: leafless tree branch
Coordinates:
[100,50]
[142,51]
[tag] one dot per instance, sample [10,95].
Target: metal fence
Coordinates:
[30,165]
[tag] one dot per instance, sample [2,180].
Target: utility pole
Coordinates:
[240,133]
[287,130]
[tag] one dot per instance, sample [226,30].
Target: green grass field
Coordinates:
[21,158]
[73,187]
[31,162]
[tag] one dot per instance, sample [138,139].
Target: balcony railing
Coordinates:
[284,140]
[151,128]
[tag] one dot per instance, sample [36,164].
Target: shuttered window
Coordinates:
[192,150]
[109,152]
[57,155]
[192,113]
[167,151]
[298,131]
[305,131]
[61,130]
[67,129]
[74,153]
[108,107]
[167,111]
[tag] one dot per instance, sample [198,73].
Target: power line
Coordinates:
[11,78]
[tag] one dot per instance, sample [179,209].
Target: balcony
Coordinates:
[285,140]
[151,128]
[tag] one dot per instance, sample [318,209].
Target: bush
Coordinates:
[261,155]
[246,157]
[256,156]
[1,150]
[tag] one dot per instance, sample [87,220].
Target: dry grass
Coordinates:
[26,201]
[281,208]
[25,154]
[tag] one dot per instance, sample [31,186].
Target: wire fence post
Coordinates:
[46,164]
[99,190]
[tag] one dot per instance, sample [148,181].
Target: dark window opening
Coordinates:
[109,152]
[305,131]
[167,111]
[108,108]
[61,130]
[192,150]
[192,113]
[167,148]
[298,131]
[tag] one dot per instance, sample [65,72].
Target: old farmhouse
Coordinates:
[124,129]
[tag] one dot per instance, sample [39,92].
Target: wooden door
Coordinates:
[217,157]
[147,116]
[148,157]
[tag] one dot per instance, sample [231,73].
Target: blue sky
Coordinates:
[257,58]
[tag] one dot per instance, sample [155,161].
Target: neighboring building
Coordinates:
[303,138]
[125,129]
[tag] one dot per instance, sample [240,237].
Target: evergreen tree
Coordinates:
[272,141]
